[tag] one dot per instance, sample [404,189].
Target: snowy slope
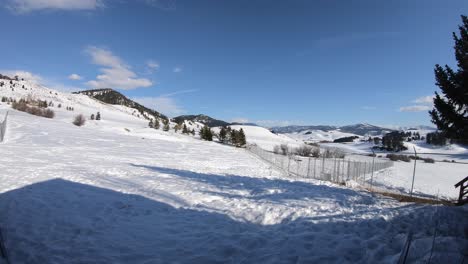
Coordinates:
[318,135]
[264,138]
[116,191]
[82,195]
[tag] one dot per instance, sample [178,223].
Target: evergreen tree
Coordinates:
[234,137]
[98,116]
[241,141]
[156,124]
[222,135]
[450,113]
[151,124]
[92,117]
[206,133]
[177,127]
[193,132]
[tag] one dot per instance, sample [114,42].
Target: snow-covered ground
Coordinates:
[89,195]
[264,138]
[319,135]
[115,191]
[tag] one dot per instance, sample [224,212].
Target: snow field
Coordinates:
[93,195]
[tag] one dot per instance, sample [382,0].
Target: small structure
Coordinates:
[463,197]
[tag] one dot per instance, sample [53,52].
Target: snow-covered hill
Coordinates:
[116,191]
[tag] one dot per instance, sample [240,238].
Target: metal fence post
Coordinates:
[414,170]
[372,174]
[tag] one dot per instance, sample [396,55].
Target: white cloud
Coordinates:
[415,108]
[38,79]
[75,77]
[239,120]
[177,69]
[24,74]
[115,72]
[163,104]
[25,6]
[424,100]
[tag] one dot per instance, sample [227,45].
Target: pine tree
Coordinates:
[234,137]
[193,132]
[241,138]
[222,135]
[450,113]
[98,116]
[92,117]
[151,124]
[206,133]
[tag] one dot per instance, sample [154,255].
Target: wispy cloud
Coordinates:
[423,103]
[424,100]
[273,123]
[115,72]
[415,108]
[177,69]
[152,66]
[180,92]
[75,77]
[26,6]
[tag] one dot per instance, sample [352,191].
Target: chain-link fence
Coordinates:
[338,170]
[3,126]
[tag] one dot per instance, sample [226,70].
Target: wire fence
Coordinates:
[337,170]
[3,126]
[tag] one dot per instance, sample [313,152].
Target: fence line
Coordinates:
[337,170]
[3,126]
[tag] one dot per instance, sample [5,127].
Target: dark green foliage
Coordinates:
[223,135]
[436,138]
[113,97]
[209,121]
[98,116]
[450,113]
[241,141]
[395,157]
[206,133]
[345,139]
[393,141]
[92,117]
[150,124]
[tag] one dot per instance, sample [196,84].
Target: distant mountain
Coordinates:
[294,129]
[113,97]
[365,129]
[357,129]
[204,119]
[243,124]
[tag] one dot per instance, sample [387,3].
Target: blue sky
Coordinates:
[270,62]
